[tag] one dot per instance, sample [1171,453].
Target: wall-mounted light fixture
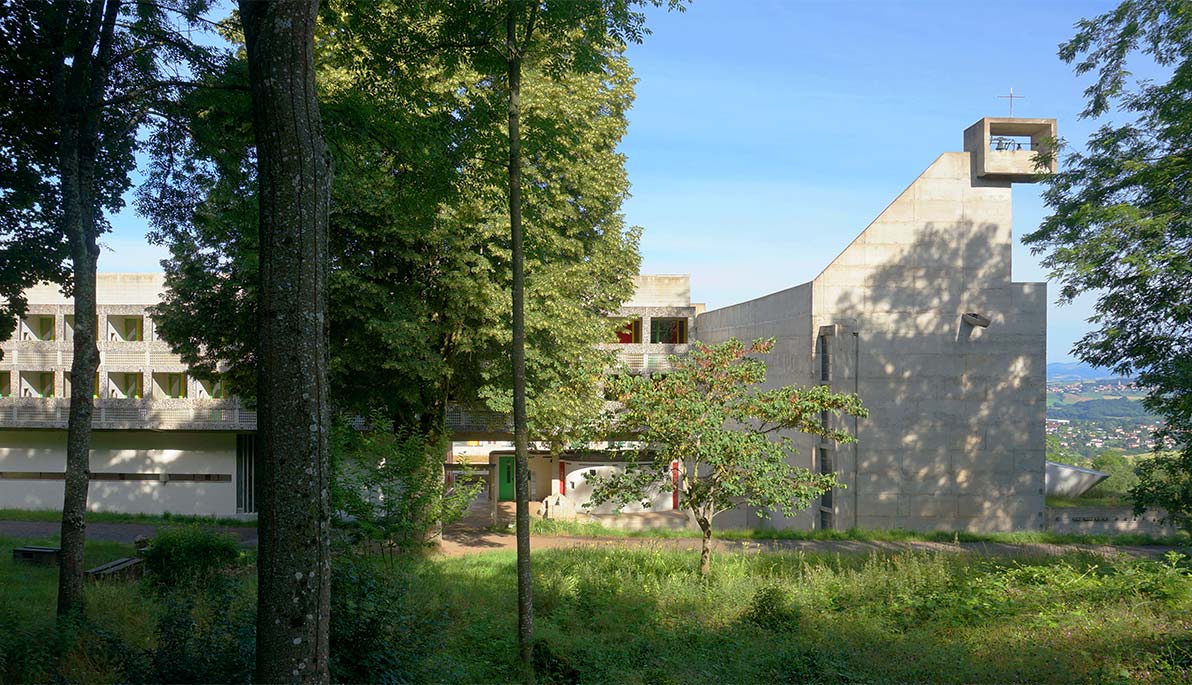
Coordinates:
[975,319]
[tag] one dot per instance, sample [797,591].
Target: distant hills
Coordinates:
[1078,371]
[1119,408]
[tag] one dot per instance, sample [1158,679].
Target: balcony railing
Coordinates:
[143,414]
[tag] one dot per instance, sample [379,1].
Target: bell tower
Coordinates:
[1003,148]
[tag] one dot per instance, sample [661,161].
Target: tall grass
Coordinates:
[618,615]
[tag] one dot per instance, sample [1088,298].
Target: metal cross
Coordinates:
[1012,97]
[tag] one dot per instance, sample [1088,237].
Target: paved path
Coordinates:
[471,537]
[113,532]
[460,543]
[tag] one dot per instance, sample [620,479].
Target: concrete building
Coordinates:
[919,315]
[163,440]
[660,323]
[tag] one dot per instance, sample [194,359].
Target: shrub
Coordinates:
[189,555]
[381,630]
[391,485]
[771,609]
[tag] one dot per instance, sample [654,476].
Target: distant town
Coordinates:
[1088,417]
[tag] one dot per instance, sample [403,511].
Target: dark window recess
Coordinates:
[827,513]
[668,331]
[825,359]
[169,477]
[630,333]
[246,473]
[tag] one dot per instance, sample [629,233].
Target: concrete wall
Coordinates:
[1106,521]
[661,290]
[130,452]
[955,435]
[786,317]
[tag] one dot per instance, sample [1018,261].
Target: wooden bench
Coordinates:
[46,556]
[126,567]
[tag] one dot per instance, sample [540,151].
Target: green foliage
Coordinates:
[39,67]
[710,415]
[1100,410]
[382,629]
[390,486]
[204,635]
[1120,222]
[771,609]
[609,614]
[189,555]
[1164,481]
[420,270]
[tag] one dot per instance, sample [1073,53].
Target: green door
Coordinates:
[505,478]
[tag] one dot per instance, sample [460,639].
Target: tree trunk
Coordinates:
[294,176]
[525,588]
[705,553]
[80,91]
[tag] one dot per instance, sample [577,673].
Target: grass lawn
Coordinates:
[610,615]
[114,517]
[585,529]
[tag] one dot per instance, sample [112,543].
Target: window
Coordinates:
[631,332]
[827,513]
[5,384]
[169,385]
[668,331]
[125,386]
[38,328]
[37,384]
[66,385]
[212,389]
[825,359]
[126,328]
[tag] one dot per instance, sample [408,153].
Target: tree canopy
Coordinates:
[420,269]
[1121,214]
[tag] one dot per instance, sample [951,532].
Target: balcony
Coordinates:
[130,414]
[646,357]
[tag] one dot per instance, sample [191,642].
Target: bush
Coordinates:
[381,630]
[771,609]
[391,485]
[189,556]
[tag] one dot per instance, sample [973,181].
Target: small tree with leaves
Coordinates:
[730,437]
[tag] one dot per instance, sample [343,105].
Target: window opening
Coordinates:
[630,333]
[668,331]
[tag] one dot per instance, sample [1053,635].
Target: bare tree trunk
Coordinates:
[525,581]
[294,174]
[705,553]
[79,95]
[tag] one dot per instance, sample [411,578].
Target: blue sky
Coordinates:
[768,133]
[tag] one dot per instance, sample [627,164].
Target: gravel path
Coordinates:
[113,532]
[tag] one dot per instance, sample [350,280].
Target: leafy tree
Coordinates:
[78,80]
[729,436]
[1165,482]
[420,273]
[391,485]
[1121,221]
[566,36]
[293,415]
